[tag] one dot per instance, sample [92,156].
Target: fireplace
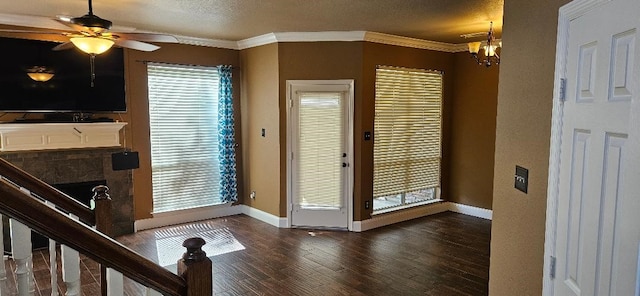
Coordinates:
[80,191]
[77,171]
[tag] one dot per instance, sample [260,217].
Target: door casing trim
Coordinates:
[349,135]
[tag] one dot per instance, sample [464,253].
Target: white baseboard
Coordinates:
[400,216]
[280,222]
[471,210]
[421,211]
[186,216]
[217,211]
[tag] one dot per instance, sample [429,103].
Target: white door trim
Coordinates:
[349,135]
[568,12]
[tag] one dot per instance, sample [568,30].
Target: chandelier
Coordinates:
[490,48]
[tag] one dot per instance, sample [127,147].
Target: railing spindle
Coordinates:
[53,267]
[152,292]
[114,282]
[71,268]
[3,270]
[21,253]
[53,261]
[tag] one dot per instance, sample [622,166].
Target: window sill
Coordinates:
[404,207]
[187,215]
[189,210]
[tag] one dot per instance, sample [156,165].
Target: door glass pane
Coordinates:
[320,149]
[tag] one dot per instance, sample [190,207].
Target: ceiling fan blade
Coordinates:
[35,34]
[64,46]
[137,45]
[30,21]
[26,31]
[147,37]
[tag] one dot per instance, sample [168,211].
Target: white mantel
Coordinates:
[43,136]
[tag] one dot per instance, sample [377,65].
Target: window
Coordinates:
[407,137]
[183,108]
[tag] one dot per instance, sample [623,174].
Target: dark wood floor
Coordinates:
[443,254]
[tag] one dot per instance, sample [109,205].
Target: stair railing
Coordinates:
[44,215]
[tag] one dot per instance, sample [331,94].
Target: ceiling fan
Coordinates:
[92,35]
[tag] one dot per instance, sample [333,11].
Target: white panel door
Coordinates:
[320,155]
[598,225]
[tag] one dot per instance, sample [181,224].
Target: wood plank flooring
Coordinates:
[443,254]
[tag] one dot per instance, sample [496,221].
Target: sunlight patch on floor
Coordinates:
[218,241]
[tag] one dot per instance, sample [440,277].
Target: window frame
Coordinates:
[417,88]
[195,123]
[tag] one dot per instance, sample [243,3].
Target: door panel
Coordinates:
[319,163]
[598,202]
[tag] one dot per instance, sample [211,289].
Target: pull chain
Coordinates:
[92,58]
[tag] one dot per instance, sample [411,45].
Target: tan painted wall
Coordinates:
[473,125]
[315,61]
[260,107]
[138,108]
[523,130]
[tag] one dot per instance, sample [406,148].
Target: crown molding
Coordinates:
[207,42]
[257,41]
[409,42]
[350,36]
[320,36]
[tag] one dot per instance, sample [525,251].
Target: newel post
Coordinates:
[195,268]
[102,210]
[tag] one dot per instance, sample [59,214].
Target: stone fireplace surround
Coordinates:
[82,165]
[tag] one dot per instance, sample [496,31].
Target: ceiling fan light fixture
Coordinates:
[40,77]
[92,45]
[40,73]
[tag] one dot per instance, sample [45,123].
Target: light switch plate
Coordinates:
[522,179]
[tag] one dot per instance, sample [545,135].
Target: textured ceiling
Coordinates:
[435,20]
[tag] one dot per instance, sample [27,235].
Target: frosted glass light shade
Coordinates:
[490,50]
[92,45]
[40,76]
[474,47]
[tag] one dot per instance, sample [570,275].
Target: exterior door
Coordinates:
[320,154]
[598,210]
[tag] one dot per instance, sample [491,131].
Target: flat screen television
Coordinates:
[70,88]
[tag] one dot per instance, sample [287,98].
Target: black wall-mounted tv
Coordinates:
[70,88]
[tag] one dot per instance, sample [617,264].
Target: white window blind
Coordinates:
[407,130]
[320,150]
[183,108]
